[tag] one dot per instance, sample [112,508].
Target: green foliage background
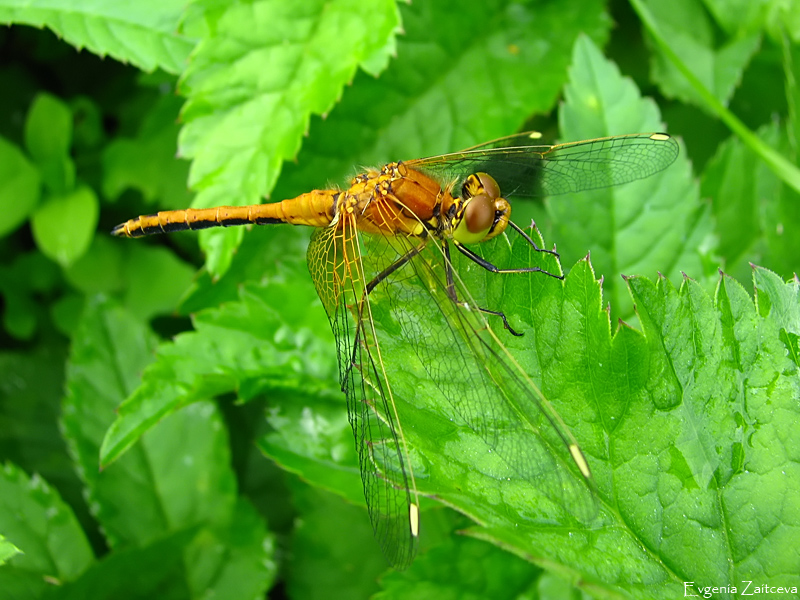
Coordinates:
[230,469]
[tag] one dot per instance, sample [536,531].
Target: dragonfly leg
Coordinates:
[530,241]
[399,263]
[451,288]
[494,269]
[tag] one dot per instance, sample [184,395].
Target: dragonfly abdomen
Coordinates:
[314,209]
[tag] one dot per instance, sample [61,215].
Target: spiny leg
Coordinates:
[451,288]
[494,269]
[399,263]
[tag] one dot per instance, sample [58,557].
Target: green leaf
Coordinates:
[25,283]
[334,548]
[48,137]
[445,92]
[109,351]
[35,519]
[462,568]
[719,69]
[783,18]
[781,166]
[656,224]
[19,187]
[312,438]
[234,561]
[254,82]
[754,212]
[738,16]
[31,386]
[265,336]
[64,225]
[147,162]
[106,257]
[679,457]
[156,279]
[48,128]
[155,570]
[177,479]
[142,33]
[7,550]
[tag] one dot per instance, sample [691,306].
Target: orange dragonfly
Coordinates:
[389,234]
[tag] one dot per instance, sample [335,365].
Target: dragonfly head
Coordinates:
[482,213]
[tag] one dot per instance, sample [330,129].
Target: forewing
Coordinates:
[484,389]
[335,262]
[525,170]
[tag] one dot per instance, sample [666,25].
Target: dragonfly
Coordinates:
[387,240]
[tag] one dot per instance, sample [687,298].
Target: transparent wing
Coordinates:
[334,259]
[525,170]
[484,390]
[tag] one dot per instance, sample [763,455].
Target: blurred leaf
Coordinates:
[87,122]
[782,167]
[66,312]
[64,225]
[7,550]
[235,347]
[19,187]
[31,385]
[19,316]
[36,520]
[101,268]
[462,568]
[718,68]
[237,561]
[26,285]
[754,212]
[254,82]
[177,479]
[153,571]
[265,253]
[155,279]
[791,67]
[48,137]
[656,224]
[312,437]
[334,549]
[143,33]
[147,162]
[738,16]
[445,92]
[109,351]
[783,17]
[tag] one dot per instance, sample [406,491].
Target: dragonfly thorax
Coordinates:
[393,201]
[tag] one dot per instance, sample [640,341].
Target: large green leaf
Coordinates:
[262,70]
[266,334]
[480,76]
[755,213]
[656,224]
[143,33]
[718,68]
[35,519]
[178,479]
[665,424]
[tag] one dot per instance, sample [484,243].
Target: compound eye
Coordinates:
[476,221]
[490,187]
